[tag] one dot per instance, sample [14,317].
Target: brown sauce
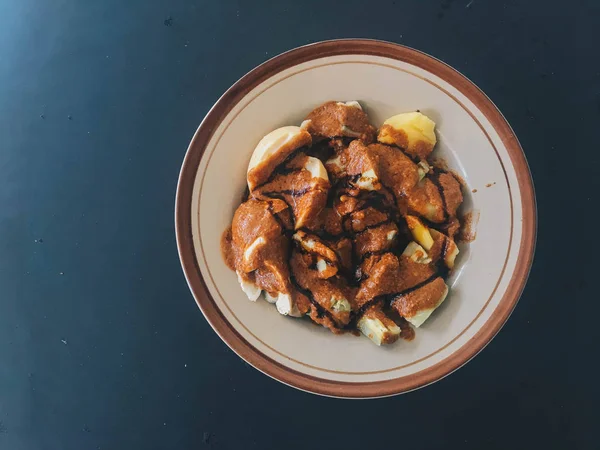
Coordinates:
[423,296]
[468,231]
[408,332]
[333,120]
[358,235]
[435,179]
[227,248]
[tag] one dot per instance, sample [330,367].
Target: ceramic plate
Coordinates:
[473,138]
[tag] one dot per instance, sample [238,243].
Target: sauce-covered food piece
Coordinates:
[351,233]
[414,132]
[336,119]
[272,150]
[261,252]
[303,184]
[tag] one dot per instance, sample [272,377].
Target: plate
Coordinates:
[473,138]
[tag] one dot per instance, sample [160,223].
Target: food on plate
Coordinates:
[272,150]
[414,132]
[339,119]
[350,226]
[417,304]
[378,327]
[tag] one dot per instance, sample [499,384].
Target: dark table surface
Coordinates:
[102,345]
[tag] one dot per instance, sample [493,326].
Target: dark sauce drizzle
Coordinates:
[388,298]
[281,169]
[414,159]
[375,225]
[371,199]
[341,269]
[292,192]
[434,178]
[441,264]
[279,220]
[320,310]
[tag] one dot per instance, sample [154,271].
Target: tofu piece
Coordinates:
[309,206]
[358,221]
[316,168]
[332,295]
[303,188]
[426,201]
[416,306]
[313,244]
[271,298]
[358,162]
[452,191]
[251,290]
[368,181]
[382,277]
[325,269]
[396,170]
[336,166]
[352,104]
[261,253]
[376,239]
[375,325]
[363,164]
[448,248]
[340,305]
[339,119]
[416,253]
[284,304]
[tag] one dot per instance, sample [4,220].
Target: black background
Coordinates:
[101,343]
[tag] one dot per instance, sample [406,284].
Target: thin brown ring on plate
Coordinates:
[184,223]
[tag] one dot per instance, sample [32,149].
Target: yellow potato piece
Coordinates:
[419,232]
[413,131]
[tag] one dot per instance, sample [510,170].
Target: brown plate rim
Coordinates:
[200,291]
